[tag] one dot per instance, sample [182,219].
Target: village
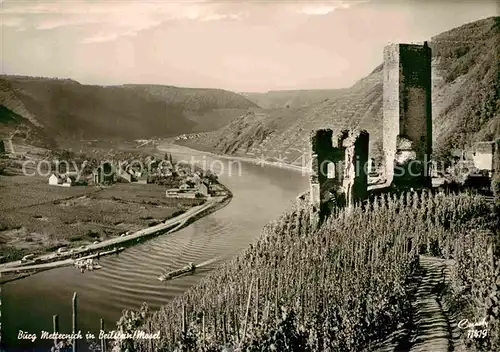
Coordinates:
[182,180]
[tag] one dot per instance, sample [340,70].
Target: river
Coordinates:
[260,194]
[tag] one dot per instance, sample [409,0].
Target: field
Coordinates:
[36,217]
[348,285]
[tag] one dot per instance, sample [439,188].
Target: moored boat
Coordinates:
[87,264]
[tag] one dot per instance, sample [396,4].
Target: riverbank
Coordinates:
[255,161]
[16,270]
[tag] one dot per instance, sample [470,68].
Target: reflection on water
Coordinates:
[126,280]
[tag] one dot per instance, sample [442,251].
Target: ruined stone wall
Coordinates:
[407,124]
[355,177]
[348,152]
[314,183]
[324,150]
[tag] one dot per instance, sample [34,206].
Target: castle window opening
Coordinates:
[330,170]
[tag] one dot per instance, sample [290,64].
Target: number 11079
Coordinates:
[477,334]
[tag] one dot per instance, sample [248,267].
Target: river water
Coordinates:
[127,280]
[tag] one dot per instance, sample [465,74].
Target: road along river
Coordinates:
[260,194]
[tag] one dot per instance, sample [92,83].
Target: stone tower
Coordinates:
[407,125]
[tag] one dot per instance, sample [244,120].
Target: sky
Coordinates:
[244,46]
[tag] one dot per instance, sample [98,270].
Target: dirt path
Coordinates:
[433,330]
[430,328]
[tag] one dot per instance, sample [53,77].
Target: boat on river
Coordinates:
[185,270]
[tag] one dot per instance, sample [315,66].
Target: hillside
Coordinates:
[467,91]
[209,108]
[276,99]
[22,130]
[465,103]
[66,109]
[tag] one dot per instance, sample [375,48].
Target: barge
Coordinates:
[185,270]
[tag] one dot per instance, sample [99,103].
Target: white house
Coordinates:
[67,180]
[484,155]
[54,180]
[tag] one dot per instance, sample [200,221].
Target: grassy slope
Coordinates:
[67,109]
[465,102]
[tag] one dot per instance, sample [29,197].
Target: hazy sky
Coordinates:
[236,45]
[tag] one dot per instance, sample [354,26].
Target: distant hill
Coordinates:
[465,103]
[208,108]
[276,99]
[66,109]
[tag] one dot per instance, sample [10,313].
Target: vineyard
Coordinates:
[347,285]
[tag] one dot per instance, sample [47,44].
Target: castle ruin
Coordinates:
[339,164]
[407,121]
[339,172]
